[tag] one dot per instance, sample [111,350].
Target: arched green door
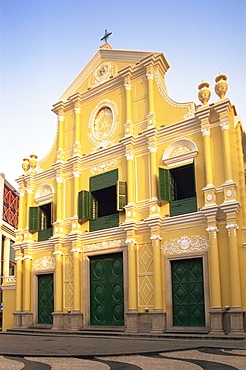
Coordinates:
[107,290]
[188,293]
[45,298]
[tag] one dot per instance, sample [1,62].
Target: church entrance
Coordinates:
[45,299]
[188,293]
[107,290]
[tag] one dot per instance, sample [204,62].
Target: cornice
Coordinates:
[222,106]
[179,128]
[184,220]
[203,113]
[114,151]
[101,235]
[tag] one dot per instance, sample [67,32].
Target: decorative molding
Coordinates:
[18,258]
[130,241]
[224,125]
[103,124]
[129,156]
[152,148]
[205,131]
[44,263]
[76,174]
[102,73]
[145,261]
[212,229]
[104,167]
[190,106]
[57,253]
[76,250]
[105,245]
[127,86]
[27,257]
[149,76]
[155,237]
[185,244]
[45,193]
[10,279]
[77,110]
[231,226]
[59,179]
[189,115]
[179,152]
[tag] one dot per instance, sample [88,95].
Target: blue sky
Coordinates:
[45,44]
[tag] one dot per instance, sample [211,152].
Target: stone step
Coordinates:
[41,330]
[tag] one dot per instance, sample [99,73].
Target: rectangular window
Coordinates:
[178,187]
[40,219]
[100,205]
[11,259]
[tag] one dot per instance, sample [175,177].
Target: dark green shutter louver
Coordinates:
[104,180]
[164,184]
[183,206]
[121,195]
[34,219]
[87,206]
[84,205]
[105,222]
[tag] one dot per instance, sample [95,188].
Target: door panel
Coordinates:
[45,299]
[106,290]
[188,293]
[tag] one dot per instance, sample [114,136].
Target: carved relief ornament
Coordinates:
[180,152]
[185,244]
[102,73]
[105,245]
[103,124]
[45,193]
[44,263]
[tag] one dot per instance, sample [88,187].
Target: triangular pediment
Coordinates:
[104,65]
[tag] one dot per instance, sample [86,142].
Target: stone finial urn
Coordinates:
[204,92]
[221,85]
[25,164]
[33,161]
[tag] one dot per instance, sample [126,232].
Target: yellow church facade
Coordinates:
[135,220]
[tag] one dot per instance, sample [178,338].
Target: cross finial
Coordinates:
[106,35]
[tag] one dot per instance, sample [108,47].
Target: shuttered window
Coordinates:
[34,219]
[121,195]
[178,187]
[100,205]
[164,184]
[40,219]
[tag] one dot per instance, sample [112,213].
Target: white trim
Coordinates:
[44,194]
[186,151]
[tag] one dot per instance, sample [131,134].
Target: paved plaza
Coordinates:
[91,352]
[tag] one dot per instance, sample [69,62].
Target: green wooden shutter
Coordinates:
[104,180]
[121,195]
[164,184]
[183,206]
[34,219]
[84,205]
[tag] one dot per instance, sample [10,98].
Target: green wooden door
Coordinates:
[106,290]
[45,298]
[188,293]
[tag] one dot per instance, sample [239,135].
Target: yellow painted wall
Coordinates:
[8,309]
